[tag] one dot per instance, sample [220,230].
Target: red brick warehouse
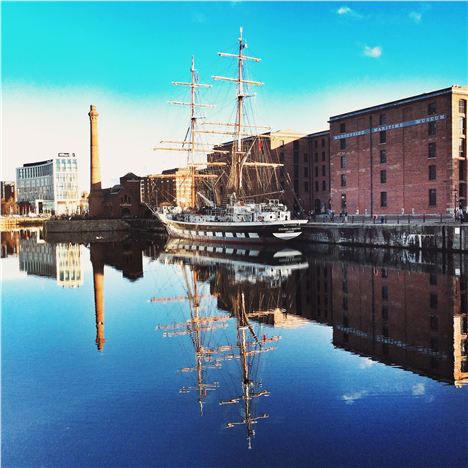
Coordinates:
[405,156]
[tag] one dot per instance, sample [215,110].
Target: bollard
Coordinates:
[398,220]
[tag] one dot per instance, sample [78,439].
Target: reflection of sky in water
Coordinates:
[67,404]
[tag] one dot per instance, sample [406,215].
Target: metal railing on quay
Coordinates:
[442,218]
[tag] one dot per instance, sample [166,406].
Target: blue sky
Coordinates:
[318,59]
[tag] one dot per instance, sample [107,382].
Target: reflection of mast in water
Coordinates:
[248,349]
[97,261]
[196,327]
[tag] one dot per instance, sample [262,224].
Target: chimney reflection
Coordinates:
[97,261]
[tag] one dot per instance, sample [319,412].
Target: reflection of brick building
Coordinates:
[415,320]
[404,155]
[10,243]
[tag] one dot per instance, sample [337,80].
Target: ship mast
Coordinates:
[246,349]
[238,156]
[190,144]
[195,327]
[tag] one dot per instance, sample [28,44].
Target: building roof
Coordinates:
[38,163]
[400,102]
[130,175]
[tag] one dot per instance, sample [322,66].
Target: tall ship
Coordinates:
[232,207]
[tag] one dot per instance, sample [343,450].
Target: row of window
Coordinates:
[383,175]
[306,186]
[33,172]
[432,198]
[306,157]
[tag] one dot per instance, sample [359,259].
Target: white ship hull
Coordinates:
[233,232]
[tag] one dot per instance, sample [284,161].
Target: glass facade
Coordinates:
[50,185]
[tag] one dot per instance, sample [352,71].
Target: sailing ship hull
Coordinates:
[231,232]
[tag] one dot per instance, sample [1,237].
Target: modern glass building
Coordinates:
[50,186]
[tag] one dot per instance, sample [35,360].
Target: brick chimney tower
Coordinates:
[95,190]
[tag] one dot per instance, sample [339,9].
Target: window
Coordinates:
[306,172]
[342,128]
[384,272]
[296,145]
[316,157]
[461,147]
[383,136]
[282,157]
[385,292]
[462,125]
[382,119]
[383,177]
[324,171]
[323,142]
[306,158]
[432,150]
[324,185]
[385,312]
[383,199]
[432,128]
[306,186]
[316,186]
[383,156]
[431,108]
[462,106]
[432,172]
[316,171]
[343,143]
[323,155]
[296,158]
[433,279]
[343,162]
[316,143]
[296,186]
[343,180]
[432,197]
[433,301]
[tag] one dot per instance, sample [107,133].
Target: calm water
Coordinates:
[136,353]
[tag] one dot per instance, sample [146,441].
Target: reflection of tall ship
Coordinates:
[236,216]
[250,287]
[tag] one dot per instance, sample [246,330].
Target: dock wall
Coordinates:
[85,225]
[411,236]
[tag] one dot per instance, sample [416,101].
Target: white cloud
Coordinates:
[350,398]
[365,363]
[418,389]
[344,10]
[373,52]
[415,16]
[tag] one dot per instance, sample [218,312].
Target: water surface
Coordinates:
[135,352]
